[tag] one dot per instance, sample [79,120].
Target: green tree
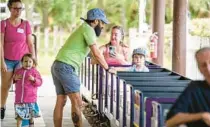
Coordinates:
[61,12]
[44,6]
[124,13]
[169,11]
[199,8]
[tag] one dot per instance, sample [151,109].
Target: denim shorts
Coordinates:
[12,64]
[65,79]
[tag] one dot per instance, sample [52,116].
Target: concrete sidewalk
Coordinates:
[9,120]
[47,105]
[46,101]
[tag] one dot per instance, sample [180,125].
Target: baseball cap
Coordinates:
[140,51]
[96,13]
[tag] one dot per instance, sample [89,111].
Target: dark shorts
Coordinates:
[65,79]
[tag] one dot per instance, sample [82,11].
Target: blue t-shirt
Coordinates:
[194,99]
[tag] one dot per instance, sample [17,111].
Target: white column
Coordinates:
[142,15]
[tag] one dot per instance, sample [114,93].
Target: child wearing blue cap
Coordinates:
[138,60]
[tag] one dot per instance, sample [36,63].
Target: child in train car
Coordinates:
[138,60]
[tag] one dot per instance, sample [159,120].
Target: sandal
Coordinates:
[2,113]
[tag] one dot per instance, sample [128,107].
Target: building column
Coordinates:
[158,26]
[179,37]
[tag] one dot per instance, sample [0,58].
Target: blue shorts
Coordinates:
[65,79]
[12,64]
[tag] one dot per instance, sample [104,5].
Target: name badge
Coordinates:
[20,30]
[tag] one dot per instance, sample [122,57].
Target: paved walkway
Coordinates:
[46,102]
[10,121]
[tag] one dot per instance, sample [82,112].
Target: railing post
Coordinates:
[97,80]
[106,90]
[93,77]
[88,73]
[85,71]
[124,103]
[100,100]
[111,102]
[117,100]
[132,106]
[82,73]
[141,100]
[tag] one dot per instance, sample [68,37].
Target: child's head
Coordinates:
[138,56]
[28,61]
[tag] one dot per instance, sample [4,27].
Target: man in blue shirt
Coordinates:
[192,108]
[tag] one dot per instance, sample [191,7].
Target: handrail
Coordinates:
[110,95]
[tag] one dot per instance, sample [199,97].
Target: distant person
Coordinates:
[68,61]
[116,52]
[16,40]
[138,60]
[27,80]
[193,105]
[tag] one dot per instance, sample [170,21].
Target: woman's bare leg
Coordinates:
[6,81]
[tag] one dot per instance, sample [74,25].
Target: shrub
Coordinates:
[200,27]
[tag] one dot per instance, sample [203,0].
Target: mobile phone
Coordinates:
[111,51]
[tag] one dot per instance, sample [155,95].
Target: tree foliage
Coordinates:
[200,27]
[61,12]
[199,8]
[43,7]
[67,13]
[124,12]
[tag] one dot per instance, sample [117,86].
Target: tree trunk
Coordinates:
[45,17]
[169,10]
[73,14]
[142,15]
[123,16]
[29,6]
[84,9]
